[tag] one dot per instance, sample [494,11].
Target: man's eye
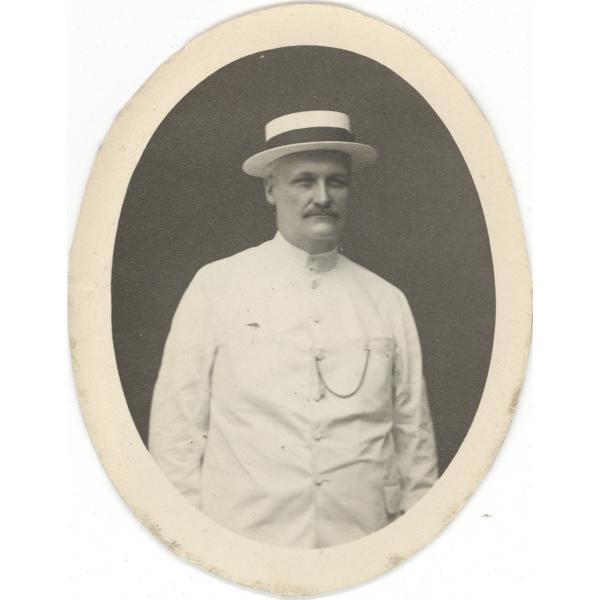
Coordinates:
[338,183]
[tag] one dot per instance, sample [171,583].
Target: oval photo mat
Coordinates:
[449,230]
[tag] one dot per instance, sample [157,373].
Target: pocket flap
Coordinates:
[392,496]
[380,343]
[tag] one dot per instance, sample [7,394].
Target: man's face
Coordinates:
[310,192]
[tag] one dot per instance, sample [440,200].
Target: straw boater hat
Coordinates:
[308,130]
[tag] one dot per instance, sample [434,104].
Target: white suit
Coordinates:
[290,405]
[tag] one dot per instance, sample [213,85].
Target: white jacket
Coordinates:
[290,404]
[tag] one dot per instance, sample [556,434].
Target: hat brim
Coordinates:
[258,164]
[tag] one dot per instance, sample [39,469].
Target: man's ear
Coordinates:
[268,182]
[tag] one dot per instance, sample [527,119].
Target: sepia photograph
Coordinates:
[299,316]
[312,301]
[279,344]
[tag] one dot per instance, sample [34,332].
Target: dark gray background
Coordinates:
[415,217]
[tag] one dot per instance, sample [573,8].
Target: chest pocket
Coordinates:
[357,367]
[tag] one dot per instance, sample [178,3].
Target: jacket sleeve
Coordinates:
[180,404]
[414,437]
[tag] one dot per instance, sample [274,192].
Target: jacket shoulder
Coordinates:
[227,270]
[371,281]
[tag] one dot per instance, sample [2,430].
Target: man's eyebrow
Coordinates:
[311,175]
[303,175]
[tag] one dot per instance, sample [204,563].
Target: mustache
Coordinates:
[321,212]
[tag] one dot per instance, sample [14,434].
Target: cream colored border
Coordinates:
[155,502]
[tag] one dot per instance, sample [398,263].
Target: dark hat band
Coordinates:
[310,134]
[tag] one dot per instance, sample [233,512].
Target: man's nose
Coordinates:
[321,196]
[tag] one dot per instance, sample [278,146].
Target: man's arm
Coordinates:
[414,437]
[181,400]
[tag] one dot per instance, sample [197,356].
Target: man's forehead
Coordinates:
[312,160]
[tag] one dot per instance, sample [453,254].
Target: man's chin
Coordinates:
[324,231]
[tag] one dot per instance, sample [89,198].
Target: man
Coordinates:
[290,404]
